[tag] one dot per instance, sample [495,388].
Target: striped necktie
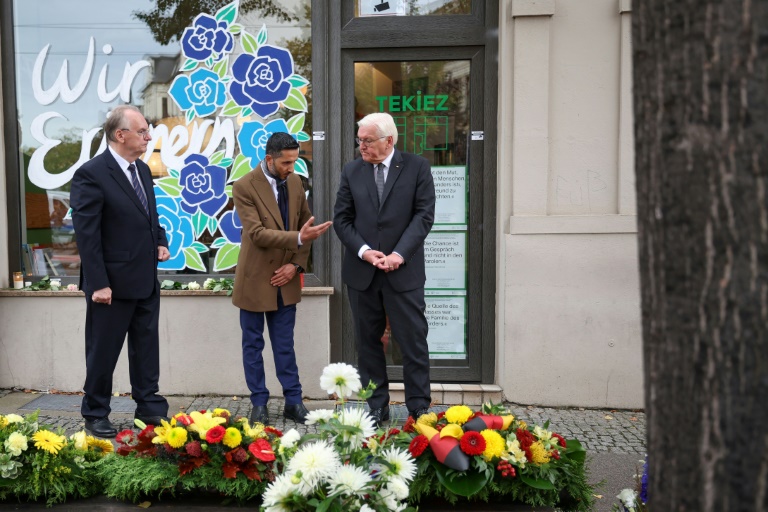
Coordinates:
[137,187]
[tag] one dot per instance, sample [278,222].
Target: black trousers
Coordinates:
[370,309]
[105,329]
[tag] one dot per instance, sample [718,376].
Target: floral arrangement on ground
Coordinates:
[39,463]
[204,451]
[491,455]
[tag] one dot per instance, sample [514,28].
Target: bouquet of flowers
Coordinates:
[202,451]
[490,453]
[635,500]
[347,464]
[36,462]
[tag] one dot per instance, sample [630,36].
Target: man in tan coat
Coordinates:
[271,203]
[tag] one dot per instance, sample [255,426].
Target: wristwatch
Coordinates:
[299,270]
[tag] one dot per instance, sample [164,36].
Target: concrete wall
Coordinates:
[5,273]
[42,345]
[568,311]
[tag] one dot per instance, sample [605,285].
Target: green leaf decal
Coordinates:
[199,223]
[248,42]
[302,137]
[296,123]
[170,186]
[216,158]
[235,28]
[300,168]
[193,260]
[220,68]
[231,109]
[246,112]
[174,173]
[241,168]
[219,242]
[298,81]
[190,115]
[225,162]
[209,62]
[296,101]
[189,65]
[199,247]
[228,190]
[226,257]
[227,13]
[213,225]
[262,37]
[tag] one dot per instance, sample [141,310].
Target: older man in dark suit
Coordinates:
[277,233]
[384,210]
[120,242]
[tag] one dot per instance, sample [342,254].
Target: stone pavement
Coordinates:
[614,439]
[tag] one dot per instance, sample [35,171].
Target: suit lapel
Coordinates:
[117,173]
[266,194]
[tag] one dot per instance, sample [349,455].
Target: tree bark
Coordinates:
[701,124]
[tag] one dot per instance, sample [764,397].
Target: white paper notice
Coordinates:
[445,256]
[379,8]
[450,194]
[447,325]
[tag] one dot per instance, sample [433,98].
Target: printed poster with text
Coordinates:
[445,251]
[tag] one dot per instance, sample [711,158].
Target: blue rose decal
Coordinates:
[201,91]
[178,230]
[253,138]
[261,81]
[207,37]
[203,186]
[231,226]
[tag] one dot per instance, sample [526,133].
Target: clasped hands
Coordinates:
[378,259]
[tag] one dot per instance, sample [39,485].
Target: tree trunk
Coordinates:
[701,126]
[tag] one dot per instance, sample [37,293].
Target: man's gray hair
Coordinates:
[385,125]
[116,119]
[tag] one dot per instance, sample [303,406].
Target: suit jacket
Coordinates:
[400,224]
[116,239]
[266,245]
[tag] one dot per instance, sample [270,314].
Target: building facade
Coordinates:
[523,108]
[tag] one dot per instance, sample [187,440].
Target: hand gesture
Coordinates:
[309,232]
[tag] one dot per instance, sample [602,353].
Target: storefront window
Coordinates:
[411,7]
[213,79]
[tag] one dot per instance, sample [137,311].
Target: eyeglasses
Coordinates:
[368,142]
[141,133]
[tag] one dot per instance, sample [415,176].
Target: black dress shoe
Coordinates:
[418,413]
[150,420]
[297,413]
[259,414]
[100,427]
[380,415]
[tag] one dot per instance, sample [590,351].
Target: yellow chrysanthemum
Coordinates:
[221,413]
[428,419]
[80,440]
[458,414]
[48,441]
[521,424]
[3,421]
[176,437]
[161,432]
[494,444]
[232,437]
[100,445]
[539,455]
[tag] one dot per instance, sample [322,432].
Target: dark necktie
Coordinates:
[282,202]
[137,187]
[380,180]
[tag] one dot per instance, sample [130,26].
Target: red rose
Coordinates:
[409,423]
[215,434]
[418,445]
[560,439]
[262,450]
[472,443]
